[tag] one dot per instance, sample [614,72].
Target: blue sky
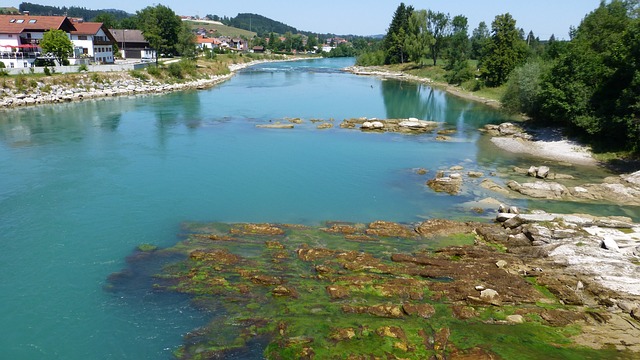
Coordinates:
[368,17]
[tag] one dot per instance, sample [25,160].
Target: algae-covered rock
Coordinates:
[389,229]
[311,293]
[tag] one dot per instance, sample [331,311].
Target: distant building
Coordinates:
[132,44]
[93,41]
[20,37]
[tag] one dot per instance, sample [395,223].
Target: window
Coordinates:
[32,21]
[11,65]
[10,35]
[25,64]
[82,37]
[12,21]
[28,35]
[19,21]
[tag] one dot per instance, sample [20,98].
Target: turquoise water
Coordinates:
[83,184]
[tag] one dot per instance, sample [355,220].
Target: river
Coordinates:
[84,183]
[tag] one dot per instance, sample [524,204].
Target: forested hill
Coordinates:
[73,11]
[258,23]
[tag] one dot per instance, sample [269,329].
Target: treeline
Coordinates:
[263,26]
[592,83]
[73,11]
[589,84]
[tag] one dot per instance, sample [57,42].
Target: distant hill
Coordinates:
[73,11]
[259,24]
[220,29]
[8,10]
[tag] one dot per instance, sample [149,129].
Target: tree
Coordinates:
[107,19]
[57,43]
[479,40]
[438,27]
[458,52]
[594,86]
[186,45]
[419,38]
[161,28]
[505,50]
[395,40]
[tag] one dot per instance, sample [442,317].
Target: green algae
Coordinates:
[317,294]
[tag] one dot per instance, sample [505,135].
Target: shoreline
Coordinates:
[120,84]
[559,148]
[385,74]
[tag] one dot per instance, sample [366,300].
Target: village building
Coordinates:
[92,41]
[132,44]
[20,37]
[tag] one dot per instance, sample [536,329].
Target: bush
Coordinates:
[2,65]
[375,58]
[138,75]
[47,71]
[524,88]
[83,67]
[175,70]
[154,71]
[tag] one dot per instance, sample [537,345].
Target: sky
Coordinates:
[366,17]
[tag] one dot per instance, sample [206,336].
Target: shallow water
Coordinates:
[83,184]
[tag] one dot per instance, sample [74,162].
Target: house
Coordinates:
[132,44]
[258,49]
[204,43]
[93,41]
[20,37]
[237,44]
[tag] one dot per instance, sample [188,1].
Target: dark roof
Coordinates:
[86,28]
[16,24]
[128,35]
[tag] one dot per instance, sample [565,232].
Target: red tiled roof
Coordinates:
[86,28]
[16,24]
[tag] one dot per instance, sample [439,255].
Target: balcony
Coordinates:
[29,41]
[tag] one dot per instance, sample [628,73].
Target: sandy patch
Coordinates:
[561,150]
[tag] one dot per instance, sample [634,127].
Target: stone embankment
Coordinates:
[88,88]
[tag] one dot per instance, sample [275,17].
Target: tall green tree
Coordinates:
[57,43]
[458,51]
[505,50]
[438,27]
[395,40]
[479,40]
[161,27]
[186,45]
[419,38]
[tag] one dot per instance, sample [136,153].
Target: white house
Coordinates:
[92,41]
[20,37]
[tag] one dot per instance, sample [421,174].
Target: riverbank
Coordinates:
[397,75]
[28,90]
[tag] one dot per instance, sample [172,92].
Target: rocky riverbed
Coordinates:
[436,289]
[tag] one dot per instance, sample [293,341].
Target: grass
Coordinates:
[220,30]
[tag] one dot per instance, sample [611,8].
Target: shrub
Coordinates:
[83,67]
[2,65]
[175,70]
[96,78]
[154,71]
[524,87]
[47,71]
[138,75]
